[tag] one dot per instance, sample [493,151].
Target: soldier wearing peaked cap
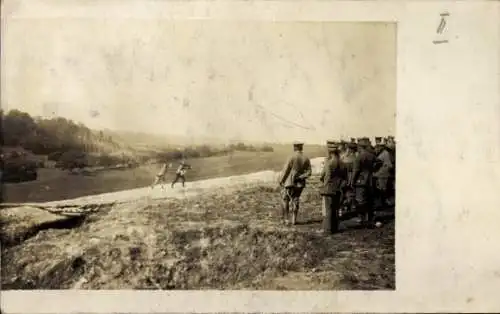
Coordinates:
[369,145]
[333,178]
[342,146]
[383,176]
[348,160]
[292,180]
[391,148]
[361,180]
[378,145]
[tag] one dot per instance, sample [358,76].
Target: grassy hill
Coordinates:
[221,240]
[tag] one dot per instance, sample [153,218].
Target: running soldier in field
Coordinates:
[333,179]
[160,176]
[360,180]
[292,180]
[180,174]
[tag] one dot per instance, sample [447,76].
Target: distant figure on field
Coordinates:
[160,176]
[180,174]
[296,171]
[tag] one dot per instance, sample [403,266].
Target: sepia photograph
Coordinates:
[160,154]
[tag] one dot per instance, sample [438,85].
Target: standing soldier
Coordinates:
[348,161]
[385,139]
[160,176]
[383,175]
[377,149]
[342,147]
[370,146]
[292,180]
[333,178]
[360,180]
[378,145]
[181,173]
[391,148]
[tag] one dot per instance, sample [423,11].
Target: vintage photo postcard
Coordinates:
[221,156]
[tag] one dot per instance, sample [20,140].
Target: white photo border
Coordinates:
[448,178]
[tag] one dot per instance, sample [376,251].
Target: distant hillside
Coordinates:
[141,139]
[44,136]
[146,140]
[56,136]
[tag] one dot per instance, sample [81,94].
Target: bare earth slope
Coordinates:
[212,237]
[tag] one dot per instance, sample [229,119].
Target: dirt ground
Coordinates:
[214,241]
[55,184]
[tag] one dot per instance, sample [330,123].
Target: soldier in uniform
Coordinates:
[333,178]
[370,147]
[360,180]
[383,175]
[378,145]
[342,147]
[348,161]
[160,176]
[292,180]
[391,148]
[181,173]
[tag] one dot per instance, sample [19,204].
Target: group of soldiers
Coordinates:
[357,178]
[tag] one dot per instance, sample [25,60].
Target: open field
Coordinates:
[224,239]
[55,184]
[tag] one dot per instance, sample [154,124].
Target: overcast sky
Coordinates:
[233,80]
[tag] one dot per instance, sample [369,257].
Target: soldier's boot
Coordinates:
[294,217]
[323,206]
[284,211]
[381,200]
[295,212]
[369,217]
[362,216]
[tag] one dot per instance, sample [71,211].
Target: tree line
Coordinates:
[44,136]
[65,141]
